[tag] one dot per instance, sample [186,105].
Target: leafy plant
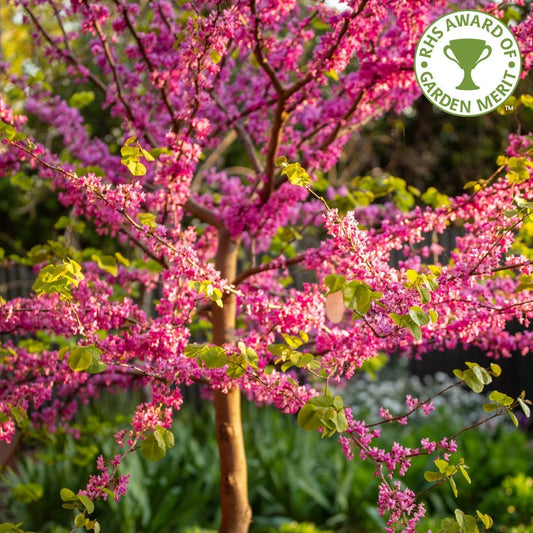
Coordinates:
[511,503]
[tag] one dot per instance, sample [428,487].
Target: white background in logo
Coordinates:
[495,74]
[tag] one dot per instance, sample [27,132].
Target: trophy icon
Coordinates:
[467,53]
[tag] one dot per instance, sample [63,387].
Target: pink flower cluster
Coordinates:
[109,480]
[398,502]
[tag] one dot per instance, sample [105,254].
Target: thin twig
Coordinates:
[163,91]
[112,65]
[211,160]
[267,266]
[66,53]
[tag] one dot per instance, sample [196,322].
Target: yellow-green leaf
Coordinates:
[296,174]
[527,100]
[121,259]
[486,519]
[453,486]
[86,502]
[412,275]
[465,473]
[524,407]
[431,476]
[79,520]
[107,263]
[215,56]
[147,219]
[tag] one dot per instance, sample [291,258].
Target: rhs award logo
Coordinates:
[467,63]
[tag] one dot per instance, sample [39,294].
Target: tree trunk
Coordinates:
[236,510]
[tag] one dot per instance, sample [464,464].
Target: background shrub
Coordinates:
[297,480]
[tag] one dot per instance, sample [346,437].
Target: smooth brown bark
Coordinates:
[236,510]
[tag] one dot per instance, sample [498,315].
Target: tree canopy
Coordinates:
[194,139]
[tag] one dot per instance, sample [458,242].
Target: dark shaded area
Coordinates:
[517,371]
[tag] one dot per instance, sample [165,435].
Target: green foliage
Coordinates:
[74,224]
[83,504]
[324,412]
[414,320]
[313,482]
[423,283]
[47,251]
[513,103]
[499,399]
[518,169]
[9,133]
[523,208]
[22,181]
[147,219]
[215,56]
[359,296]
[107,263]
[365,190]
[83,358]
[288,354]
[486,449]
[81,99]
[464,523]
[18,414]
[208,355]
[8,527]
[526,283]
[523,243]
[445,472]
[294,172]
[476,377]
[240,361]
[155,446]
[373,365]
[72,500]
[356,295]
[206,288]
[434,198]
[334,282]
[132,153]
[28,492]
[283,244]
[512,501]
[59,279]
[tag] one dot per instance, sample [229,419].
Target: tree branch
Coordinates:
[202,213]
[280,118]
[145,249]
[211,160]
[246,140]
[163,91]
[112,65]
[258,53]
[266,266]
[349,112]
[97,82]
[487,253]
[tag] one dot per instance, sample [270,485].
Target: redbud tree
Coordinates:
[222,239]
